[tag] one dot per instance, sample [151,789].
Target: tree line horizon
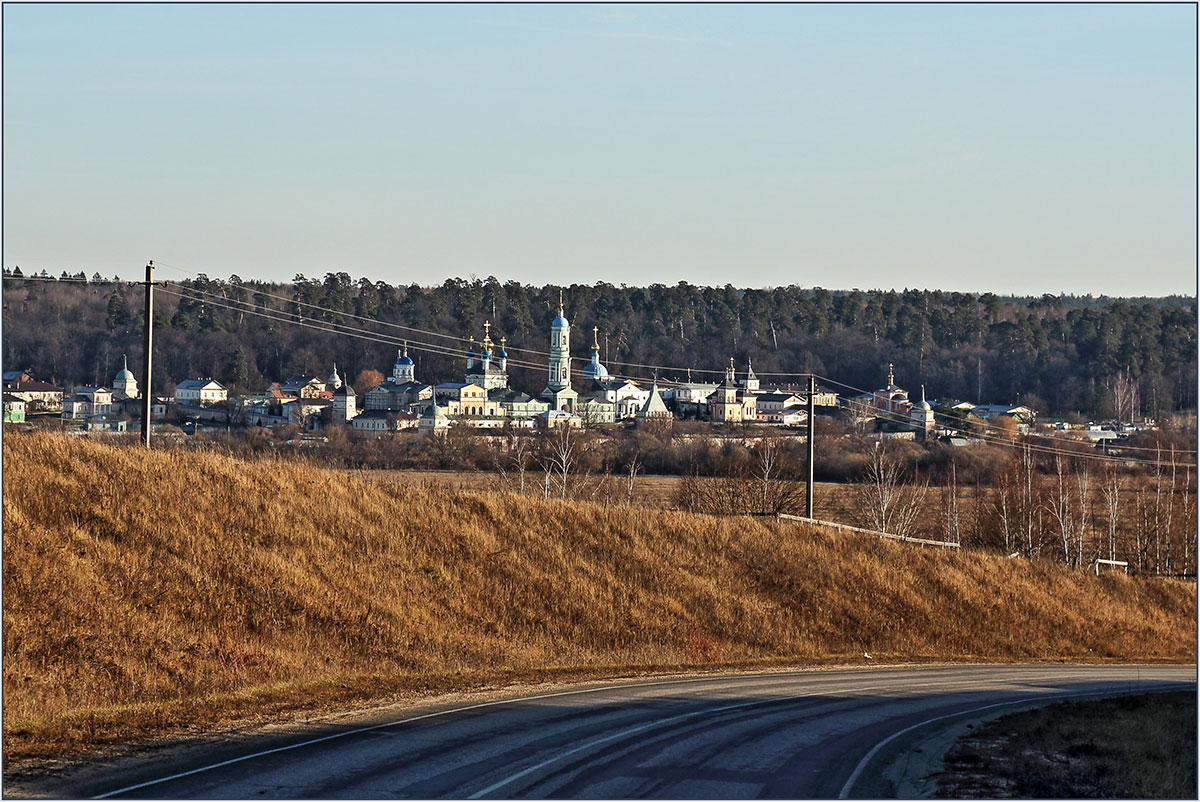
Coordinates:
[1062,355]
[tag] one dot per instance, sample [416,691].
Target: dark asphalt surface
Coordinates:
[802,734]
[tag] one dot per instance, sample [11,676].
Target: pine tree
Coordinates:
[118,311]
[239,368]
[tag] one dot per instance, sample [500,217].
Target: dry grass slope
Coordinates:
[150,591]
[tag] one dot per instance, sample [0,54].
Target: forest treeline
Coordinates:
[1097,357]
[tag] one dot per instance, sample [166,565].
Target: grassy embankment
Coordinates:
[148,592]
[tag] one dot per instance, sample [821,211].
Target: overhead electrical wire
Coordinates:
[286,299]
[999,440]
[994,439]
[221,300]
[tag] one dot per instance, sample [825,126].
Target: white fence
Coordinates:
[889,536]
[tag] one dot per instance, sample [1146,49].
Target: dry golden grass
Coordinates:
[151,591]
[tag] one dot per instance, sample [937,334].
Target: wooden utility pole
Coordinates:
[147,392]
[812,430]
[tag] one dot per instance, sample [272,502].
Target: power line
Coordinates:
[210,297]
[281,316]
[887,415]
[429,332]
[332,327]
[997,440]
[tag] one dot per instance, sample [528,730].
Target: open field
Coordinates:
[150,592]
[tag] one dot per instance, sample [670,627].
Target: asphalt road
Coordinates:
[803,734]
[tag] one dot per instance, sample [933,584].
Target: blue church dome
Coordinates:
[560,322]
[594,370]
[404,360]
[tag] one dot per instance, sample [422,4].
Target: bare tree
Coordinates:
[1029,502]
[560,452]
[766,454]
[1188,514]
[1124,393]
[1004,506]
[952,531]
[1061,504]
[777,490]
[887,502]
[518,449]
[1110,493]
[1083,484]
[1019,504]
[859,414]
[633,468]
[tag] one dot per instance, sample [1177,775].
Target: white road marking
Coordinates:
[781,675]
[231,761]
[637,729]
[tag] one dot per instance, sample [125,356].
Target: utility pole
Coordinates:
[812,430]
[147,393]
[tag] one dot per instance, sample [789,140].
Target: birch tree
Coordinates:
[888,503]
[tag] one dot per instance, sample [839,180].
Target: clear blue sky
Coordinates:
[1005,148]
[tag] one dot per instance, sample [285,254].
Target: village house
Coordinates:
[14,409]
[378,422]
[786,416]
[88,401]
[991,411]
[200,392]
[12,377]
[625,396]
[516,404]
[305,387]
[38,396]
[554,418]
[690,398]
[778,401]
[307,413]
[593,410]
[267,413]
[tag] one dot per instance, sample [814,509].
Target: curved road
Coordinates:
[800,734]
